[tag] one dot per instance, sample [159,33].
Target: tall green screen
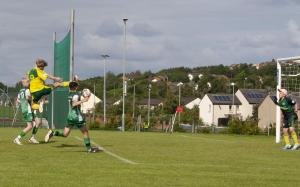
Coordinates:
[58,98]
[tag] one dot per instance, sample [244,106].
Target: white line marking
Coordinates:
[110,153]
[211,139]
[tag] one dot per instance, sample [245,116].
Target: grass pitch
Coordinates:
[155,159]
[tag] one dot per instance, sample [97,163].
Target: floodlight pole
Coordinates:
[149,91]
[133,102]
[124,60]
[245,82]
[104,88]
[232,84]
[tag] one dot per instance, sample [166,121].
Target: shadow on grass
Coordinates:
[43,142]
[66,145]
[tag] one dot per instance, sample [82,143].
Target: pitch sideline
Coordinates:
[110,153]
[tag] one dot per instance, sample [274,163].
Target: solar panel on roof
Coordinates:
[254,95]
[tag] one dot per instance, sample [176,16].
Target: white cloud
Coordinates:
[161,34]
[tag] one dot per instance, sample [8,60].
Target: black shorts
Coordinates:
[290,120]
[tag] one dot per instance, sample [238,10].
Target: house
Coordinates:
[90,105]
[190,102]
[250,98]
[143,103]
[267,111]
[215,109]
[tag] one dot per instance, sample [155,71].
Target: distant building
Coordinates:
[215,109]
[143,103]
[250,98]
[267,112]
[191,102]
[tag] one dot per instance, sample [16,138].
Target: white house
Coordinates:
[190,103]
[90,104]
[250,98]
[267,112]
[214,109]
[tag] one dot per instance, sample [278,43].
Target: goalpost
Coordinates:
[288,77]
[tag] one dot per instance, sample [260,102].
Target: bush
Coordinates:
[248,127]
[94,125]
[204,130]
[177,128]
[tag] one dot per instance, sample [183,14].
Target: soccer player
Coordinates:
[38,88]
[290,119]
[24,99]
[75,118]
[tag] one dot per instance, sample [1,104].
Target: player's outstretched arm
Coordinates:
[76,103]
[274,99]
[56,79]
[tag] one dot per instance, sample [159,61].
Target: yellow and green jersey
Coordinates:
[37,79]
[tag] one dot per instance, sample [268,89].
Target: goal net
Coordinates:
[288,77]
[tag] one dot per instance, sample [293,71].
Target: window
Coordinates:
[209,108]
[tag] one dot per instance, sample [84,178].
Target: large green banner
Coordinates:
[62,51]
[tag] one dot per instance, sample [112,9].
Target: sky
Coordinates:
[160,33]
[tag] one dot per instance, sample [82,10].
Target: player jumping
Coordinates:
[38,88]
[75,118]
[290,119]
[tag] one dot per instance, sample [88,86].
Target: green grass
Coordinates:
[163,160]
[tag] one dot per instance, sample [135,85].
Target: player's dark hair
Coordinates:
[73,85]
[41,62]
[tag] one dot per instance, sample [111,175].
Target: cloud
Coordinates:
[294,31]
[109,28]
[161,34]
[144,30]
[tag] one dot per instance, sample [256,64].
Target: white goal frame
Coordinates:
[295,59]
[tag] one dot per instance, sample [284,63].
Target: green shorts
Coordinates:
[36,96]
[27,117]
[78,125]
[37,114]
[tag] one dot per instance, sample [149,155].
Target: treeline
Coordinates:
[209,79]
[206,79]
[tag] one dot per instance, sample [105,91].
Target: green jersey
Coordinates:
[75,116]
[23,97]
[286,105]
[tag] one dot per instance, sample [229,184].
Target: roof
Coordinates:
[254,96]
[223,99]
[187,100]
[153,101]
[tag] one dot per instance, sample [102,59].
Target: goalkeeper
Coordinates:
[38,88]
[290,118]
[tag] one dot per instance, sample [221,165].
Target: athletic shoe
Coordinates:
[48,136]
[295,147]
[33,140]
[287,147]
[94,150]
[17,141]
